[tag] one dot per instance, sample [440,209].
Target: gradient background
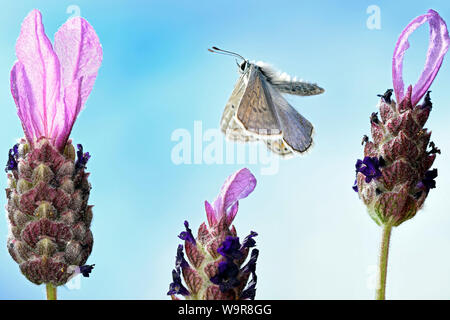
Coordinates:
[316,241]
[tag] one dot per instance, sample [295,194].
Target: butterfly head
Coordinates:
[243,66]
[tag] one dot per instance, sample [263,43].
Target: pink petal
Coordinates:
[66,115]
[20,89]
[79,50]
[237,186]
[50,87]
[210,214]
[438,46]
[232,212]
[37,80]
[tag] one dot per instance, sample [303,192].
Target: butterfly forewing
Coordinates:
[228,124]
[256,111]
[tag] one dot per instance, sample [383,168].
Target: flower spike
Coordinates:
[48,190]
[216,256]
[395,176]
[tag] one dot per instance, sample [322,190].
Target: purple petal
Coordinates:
[358,164]
[237,186]
[21,92]
[187,235]
[50,86]
[80,53]
[35,79]
[210,214]
[249,242]
[355,186]
[438,46]
[232,212]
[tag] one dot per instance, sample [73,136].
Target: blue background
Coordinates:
[315,237]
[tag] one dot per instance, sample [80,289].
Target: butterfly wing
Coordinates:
[230,127]
[256,111]
[297,130]
[279,147]
[285,84]
[299,88]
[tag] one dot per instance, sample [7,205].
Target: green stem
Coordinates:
[382,268]
[51,291]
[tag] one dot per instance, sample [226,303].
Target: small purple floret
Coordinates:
[355,186]
[187,235]
[180,261]
[374,117]
[249,242]
[427,101]
[86,270]
[83,158]
[231,248]
[228,270]
[12,158]
[250,291]
[176,287]
[226,277]
[387,96]
[251,264]
[370,167]
[428,182]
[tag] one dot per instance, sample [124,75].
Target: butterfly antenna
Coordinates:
[225,52]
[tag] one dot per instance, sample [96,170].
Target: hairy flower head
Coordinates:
[215,270]
[394,177]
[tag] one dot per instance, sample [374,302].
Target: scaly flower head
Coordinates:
[216,269]
[394,178]
[48,188]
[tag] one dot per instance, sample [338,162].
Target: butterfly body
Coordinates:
[257,110]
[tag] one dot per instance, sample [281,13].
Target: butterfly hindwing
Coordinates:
[286,84]
[297,130]
[279,147]
[298,88]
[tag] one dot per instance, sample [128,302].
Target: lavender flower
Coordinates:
[215,269]
[48,189]
[394,178]
[396,163]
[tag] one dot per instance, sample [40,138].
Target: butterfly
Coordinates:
[257,110]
